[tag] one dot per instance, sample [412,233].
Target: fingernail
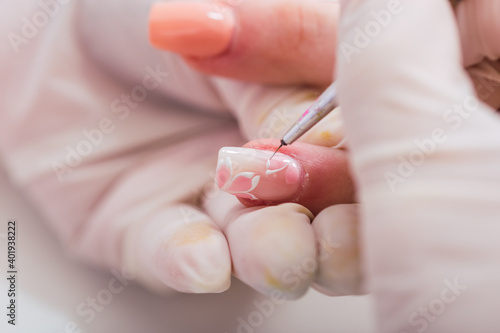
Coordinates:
[196,29]
[249,173]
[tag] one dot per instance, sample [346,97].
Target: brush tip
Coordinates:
[281,145]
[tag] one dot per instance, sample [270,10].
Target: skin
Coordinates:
[301,49]
[264,54]
[328,179]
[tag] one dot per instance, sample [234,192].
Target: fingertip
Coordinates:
[326,177]
[183,249]
[273,249]
[194,260]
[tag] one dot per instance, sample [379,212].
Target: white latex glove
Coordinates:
[119,178]
[425,152]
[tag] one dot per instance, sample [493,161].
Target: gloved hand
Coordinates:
[424,151]
[92,133]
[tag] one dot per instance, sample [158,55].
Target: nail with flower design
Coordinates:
[249,173]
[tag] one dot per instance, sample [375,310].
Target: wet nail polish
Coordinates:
[249,173]
[195,29]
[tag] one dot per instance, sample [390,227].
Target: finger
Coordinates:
[339,263]
[181,248]
[177,245]
[165,245]
[313,176]
[273,249]
[479,25]
[139,221]
[278,41]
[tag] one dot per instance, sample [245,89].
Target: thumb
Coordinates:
[277,41]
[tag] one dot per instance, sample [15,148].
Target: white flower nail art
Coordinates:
[248,173]
[241,184]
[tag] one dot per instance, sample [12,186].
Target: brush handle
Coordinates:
[325,103]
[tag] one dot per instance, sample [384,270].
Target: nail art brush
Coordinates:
[323,105]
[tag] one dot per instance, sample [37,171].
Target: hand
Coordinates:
[118,176]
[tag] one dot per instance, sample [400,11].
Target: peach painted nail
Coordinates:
[248,173]
[196,29]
